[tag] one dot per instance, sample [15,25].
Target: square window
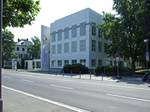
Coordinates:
[83,61]
[59,63]
[74,61]
[66,62]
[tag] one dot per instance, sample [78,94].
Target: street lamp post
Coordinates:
[117,60]
[147,52]
[1,12]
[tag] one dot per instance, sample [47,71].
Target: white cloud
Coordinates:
[52,10]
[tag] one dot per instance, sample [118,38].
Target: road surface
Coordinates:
[80,95]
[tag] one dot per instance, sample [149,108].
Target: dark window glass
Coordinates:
[93,45]
[93,62]
[22,49]
[99,33]
[94,30]
[100,46]
[66,33]
[17,48]
[82,29]
[74,31]
[59,35]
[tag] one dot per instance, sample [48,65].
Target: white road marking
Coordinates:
[28,81]
[127,97]
[64,87]
[47,100]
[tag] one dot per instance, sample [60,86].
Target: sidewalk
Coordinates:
[85,76]
[15,102]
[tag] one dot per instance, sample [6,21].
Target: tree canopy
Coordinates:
[17,13]
[8,45]
[127,30]
[34,48]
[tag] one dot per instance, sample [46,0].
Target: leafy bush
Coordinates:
[8,67]
[99,70]
[75,68]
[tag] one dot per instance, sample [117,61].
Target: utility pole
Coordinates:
[1,13]
[147,52]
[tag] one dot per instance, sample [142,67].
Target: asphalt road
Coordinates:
[92,96]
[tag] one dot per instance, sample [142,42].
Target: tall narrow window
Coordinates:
[99,46]
[82,45]
[17,48]
[66,47]
[74,46]
[59,48]
[59,35]
[53,37]
[94,30]
[66,33]
[99,33]
[99,62]
[82,29]
[74,31]
[93,45]
[53,49]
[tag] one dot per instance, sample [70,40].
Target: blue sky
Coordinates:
[52,10]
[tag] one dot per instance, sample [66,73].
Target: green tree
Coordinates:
[8,46]
[112,32]
[126,30]
[34,48]
[17,13]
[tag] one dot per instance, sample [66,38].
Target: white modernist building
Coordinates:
[45,48]
[77,39]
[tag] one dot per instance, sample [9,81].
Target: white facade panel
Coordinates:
[85,17]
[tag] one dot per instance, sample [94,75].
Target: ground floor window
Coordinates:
[93,62]
[83,61]
[53,63]
[59,63]
[99,62]
[74,61]
[66,62]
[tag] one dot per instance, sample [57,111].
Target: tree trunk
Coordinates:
[133,64]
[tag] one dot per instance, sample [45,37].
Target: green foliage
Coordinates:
[75,68]
[8,45]
[127,30]
[34,48]
[17,13]
[111,70]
